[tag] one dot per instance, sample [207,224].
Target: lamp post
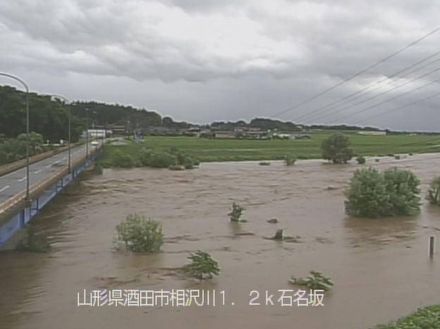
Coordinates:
[27,126]
[69,162]
[87,133]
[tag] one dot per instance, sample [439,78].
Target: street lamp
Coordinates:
[87,133]
[65,100]
[27,126]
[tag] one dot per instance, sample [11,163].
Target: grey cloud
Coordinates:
[237,58]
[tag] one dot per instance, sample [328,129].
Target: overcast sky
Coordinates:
[209,60]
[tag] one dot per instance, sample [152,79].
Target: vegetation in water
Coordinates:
[424,318]
[123,160]
[236,213]
[33,242]
[208,150]
[336,148]
[394,192]
[202,266]
[361,159]
[315,281]
[139,234]
[289,160]
[130,155]
[434,192]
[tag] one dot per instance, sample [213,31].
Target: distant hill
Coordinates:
[49,117]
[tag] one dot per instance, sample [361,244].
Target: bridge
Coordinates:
[47,178]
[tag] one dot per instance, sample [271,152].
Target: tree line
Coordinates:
[49,117]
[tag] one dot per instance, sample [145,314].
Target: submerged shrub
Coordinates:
[186,161]
[122,160]
[373,194]
[236,212]
[289,160]
[202,266]
[336,148]
[162,160]
[361,159]
[33,242]
[434,192]
[139,234]
[314,281]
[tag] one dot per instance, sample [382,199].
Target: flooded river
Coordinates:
[381,268]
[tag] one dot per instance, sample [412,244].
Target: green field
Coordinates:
[207,150]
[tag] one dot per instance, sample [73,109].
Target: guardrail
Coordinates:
[36,190]
[10,167]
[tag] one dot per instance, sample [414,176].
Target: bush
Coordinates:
[425,318]
[139,234]
[337,149]
[161,160]
[373,194]
[236,212]
[122,160]
[315,281]
[434,192]
[202,266]
[144,157]
[289,160]
[33,242]
[361,160]
[186,161]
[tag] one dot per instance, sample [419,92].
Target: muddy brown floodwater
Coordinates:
[381,268]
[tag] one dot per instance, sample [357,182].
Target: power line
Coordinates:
[395,97]
[398,108]
[359,93]
[338,110]
[310,99]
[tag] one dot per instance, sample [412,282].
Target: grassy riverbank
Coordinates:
[208,150]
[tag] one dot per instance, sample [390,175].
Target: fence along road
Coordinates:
[14,182]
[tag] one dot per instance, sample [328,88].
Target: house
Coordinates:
[372,132]
[224,134]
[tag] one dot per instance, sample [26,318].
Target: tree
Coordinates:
[337,148]
[374,194]
[139,234]
[434,192]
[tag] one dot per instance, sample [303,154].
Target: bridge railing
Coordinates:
[37,189]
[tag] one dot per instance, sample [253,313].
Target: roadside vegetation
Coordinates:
[424,318]
[374,194]
[14,149]
[139,234]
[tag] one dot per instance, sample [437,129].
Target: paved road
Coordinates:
[15,182]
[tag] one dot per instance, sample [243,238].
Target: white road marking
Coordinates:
[37,171]
[5,188]
[22,179]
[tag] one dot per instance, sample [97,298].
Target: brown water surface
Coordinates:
[380,267]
